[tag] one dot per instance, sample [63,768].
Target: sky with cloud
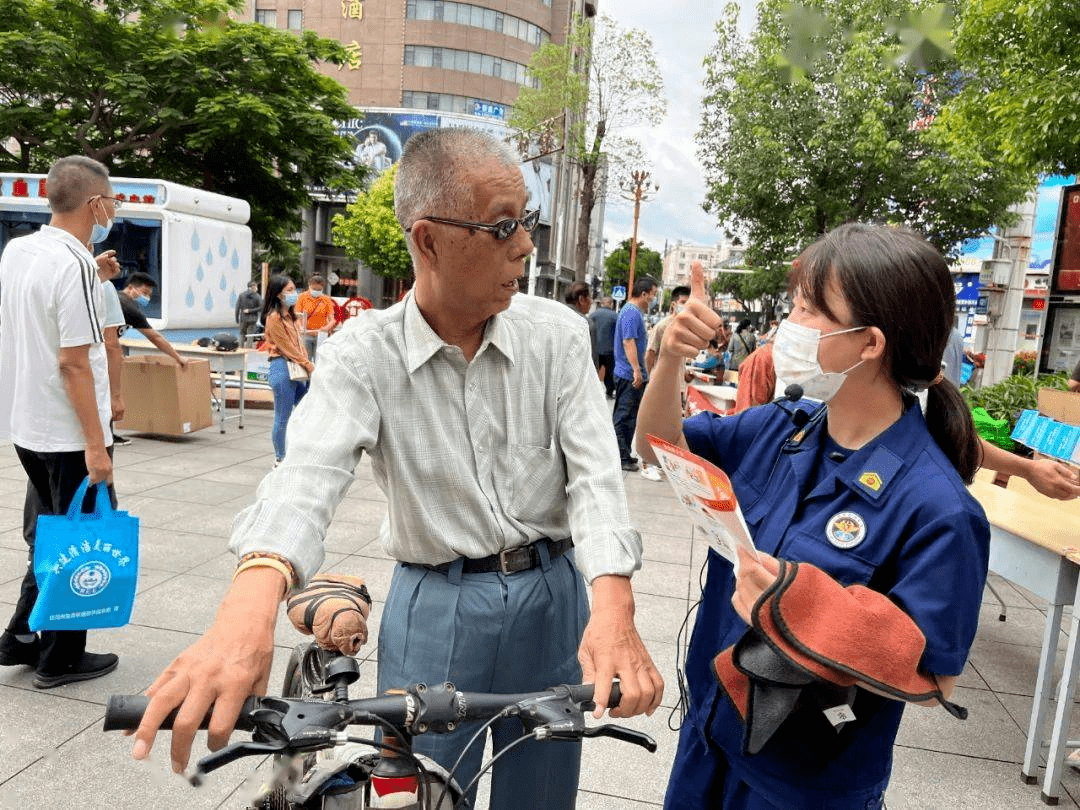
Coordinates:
[683,31]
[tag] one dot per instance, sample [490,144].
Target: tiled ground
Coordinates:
[53,753]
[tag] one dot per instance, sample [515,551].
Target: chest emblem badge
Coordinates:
[871,480]
[845,530]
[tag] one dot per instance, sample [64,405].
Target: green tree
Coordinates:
[176,89]
[764,284]
[605,80]
[648,262]
[1021,94]
[848,135]
[369,231]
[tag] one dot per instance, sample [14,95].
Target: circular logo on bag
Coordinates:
[90,579]
[845,530]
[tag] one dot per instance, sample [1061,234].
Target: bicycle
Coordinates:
[377,773]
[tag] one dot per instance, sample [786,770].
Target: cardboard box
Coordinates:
[162,397]
[1064,406]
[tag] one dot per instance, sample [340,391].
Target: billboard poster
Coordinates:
[1048,199]
[380,136]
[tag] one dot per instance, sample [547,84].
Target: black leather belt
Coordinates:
[508,561]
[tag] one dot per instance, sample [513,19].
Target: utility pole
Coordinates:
[638,188]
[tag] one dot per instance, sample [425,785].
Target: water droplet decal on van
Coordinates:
[209,302]
[189,299]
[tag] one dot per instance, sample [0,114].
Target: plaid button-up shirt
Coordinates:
[474,457]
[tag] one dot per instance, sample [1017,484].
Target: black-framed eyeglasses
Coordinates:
[501,230]
[116,203]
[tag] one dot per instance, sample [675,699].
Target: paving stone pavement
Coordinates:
[187,490]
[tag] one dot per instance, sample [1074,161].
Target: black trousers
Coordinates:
[53,479]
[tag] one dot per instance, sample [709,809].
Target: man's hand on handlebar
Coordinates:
[231,661]
[611,648]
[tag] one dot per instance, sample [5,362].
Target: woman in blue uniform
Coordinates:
[864,487]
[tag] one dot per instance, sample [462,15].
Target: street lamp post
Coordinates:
[637,189]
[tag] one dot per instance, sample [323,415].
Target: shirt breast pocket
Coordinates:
[537,481]
[843,565]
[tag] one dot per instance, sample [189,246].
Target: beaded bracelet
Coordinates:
[268,559]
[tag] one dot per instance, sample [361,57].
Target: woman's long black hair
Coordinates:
[271,303]
[895,280]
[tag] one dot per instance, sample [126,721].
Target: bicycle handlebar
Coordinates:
[408,710]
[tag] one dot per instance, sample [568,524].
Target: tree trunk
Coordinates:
[586,200]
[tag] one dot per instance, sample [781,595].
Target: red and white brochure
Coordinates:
[705,490]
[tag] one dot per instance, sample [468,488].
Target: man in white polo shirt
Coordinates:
[54,389]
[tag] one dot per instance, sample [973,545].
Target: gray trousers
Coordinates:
[491,633]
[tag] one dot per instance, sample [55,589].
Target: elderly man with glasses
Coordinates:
[494,448]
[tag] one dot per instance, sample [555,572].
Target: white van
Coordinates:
[194,243]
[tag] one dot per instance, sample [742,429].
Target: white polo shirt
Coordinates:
[50,298]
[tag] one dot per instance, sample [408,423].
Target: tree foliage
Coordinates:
[647,262]
[605,79]
[765,284]
[793,150]
[369,231]
[1021,93]
[175,89]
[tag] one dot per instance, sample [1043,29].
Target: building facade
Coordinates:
[714,258]
[416,64]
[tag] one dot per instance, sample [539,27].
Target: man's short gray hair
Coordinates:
[431,173]
[72,181]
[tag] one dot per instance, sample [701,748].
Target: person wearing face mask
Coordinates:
[858,506]
[55,402]
[281,326]
[134,298]
[318,309]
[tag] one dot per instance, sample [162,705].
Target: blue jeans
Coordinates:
[491,633]
[287,395]
[624,417]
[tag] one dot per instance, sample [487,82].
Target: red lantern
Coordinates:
[41,188]
[148,199]
[19,188]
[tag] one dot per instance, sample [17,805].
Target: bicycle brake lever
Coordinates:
[624,734]
[230,753]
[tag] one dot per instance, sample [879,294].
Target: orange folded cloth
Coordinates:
[333,608]
[811,634]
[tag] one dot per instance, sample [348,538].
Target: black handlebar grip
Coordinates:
[584,692]
[125,712]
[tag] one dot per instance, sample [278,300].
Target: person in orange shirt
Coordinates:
[757,379]
[318,308]
[284,345]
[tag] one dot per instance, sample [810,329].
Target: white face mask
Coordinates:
[795,358]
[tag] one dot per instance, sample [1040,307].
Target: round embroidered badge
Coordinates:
[90,579]
[845,530]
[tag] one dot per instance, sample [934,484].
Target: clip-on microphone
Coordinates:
[793,393]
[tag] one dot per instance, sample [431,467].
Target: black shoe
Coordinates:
[15,653]
[92,665]
[630,466]
[121,441]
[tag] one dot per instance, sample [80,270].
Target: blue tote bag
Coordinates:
[86,566]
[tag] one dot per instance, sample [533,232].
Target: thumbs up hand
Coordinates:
[691,330]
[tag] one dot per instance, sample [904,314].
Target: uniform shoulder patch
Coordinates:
[874,476]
